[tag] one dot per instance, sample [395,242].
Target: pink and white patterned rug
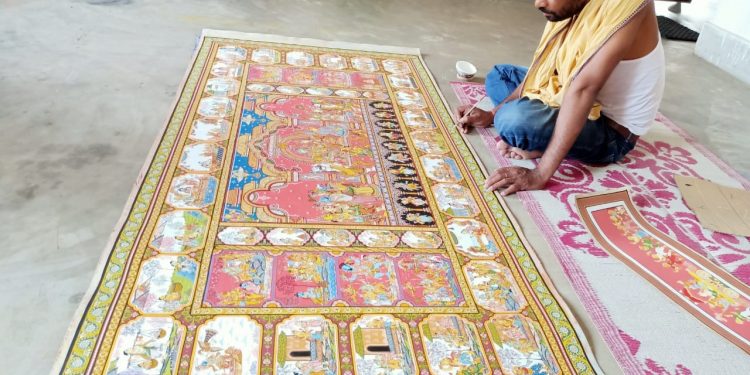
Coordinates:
[638,324]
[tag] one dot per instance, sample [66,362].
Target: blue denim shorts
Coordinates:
[528,123]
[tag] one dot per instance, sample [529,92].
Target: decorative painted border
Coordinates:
[588,204]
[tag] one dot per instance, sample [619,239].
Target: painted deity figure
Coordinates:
[344,202]
[228,362]
[371,266]
[442,171]
[332,129]
[144,351]
[352,213]
[305,267]
[294,108]
[315,294]
[348,171]
[334,78]
[419,218]
[300,76]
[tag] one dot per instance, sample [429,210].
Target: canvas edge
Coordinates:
[272,38]
[79,314]
[583,339]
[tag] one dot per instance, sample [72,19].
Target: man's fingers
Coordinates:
[501,178]
[510,189]
[509,178]
[498,175]
[494,177]
[463,124]
[501,183]
[461,110]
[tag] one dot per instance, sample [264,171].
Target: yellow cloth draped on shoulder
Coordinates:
[567,46]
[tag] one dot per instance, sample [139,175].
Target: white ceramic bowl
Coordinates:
[465,69]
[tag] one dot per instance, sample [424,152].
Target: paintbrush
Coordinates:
[470,109]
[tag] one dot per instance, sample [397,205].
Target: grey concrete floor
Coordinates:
[86,85]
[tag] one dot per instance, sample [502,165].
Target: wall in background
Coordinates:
[732,16]
[725,38]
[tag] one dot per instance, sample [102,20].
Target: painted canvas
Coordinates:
[702,288]
[311,209]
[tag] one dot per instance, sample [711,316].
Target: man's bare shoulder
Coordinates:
[646,31]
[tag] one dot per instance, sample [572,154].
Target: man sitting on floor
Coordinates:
[593,88]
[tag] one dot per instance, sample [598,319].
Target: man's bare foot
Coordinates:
[504,148]
[516,153]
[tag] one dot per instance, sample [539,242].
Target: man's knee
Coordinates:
[501,72]
[517,124]
[502,80]
[509,118]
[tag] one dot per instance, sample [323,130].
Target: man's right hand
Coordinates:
[476,118]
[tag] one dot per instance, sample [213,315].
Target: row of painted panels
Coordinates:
[182,231]
[469,235]
[317,91]
[250,236]
[233,54]
[274,74]
[221,87]
[370,344]
[213,126]
[259,279]
[221,107]
[185,230]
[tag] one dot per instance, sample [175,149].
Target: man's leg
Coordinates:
[526,128]
[502,80]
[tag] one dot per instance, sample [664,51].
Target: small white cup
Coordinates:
[465,70]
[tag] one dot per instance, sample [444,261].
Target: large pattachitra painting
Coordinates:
[311,209]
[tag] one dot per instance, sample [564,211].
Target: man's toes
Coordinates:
[517,153]
[502,146]
[523,154]
[534,154]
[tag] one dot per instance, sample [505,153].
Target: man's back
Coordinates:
[648,35]
[632,93]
